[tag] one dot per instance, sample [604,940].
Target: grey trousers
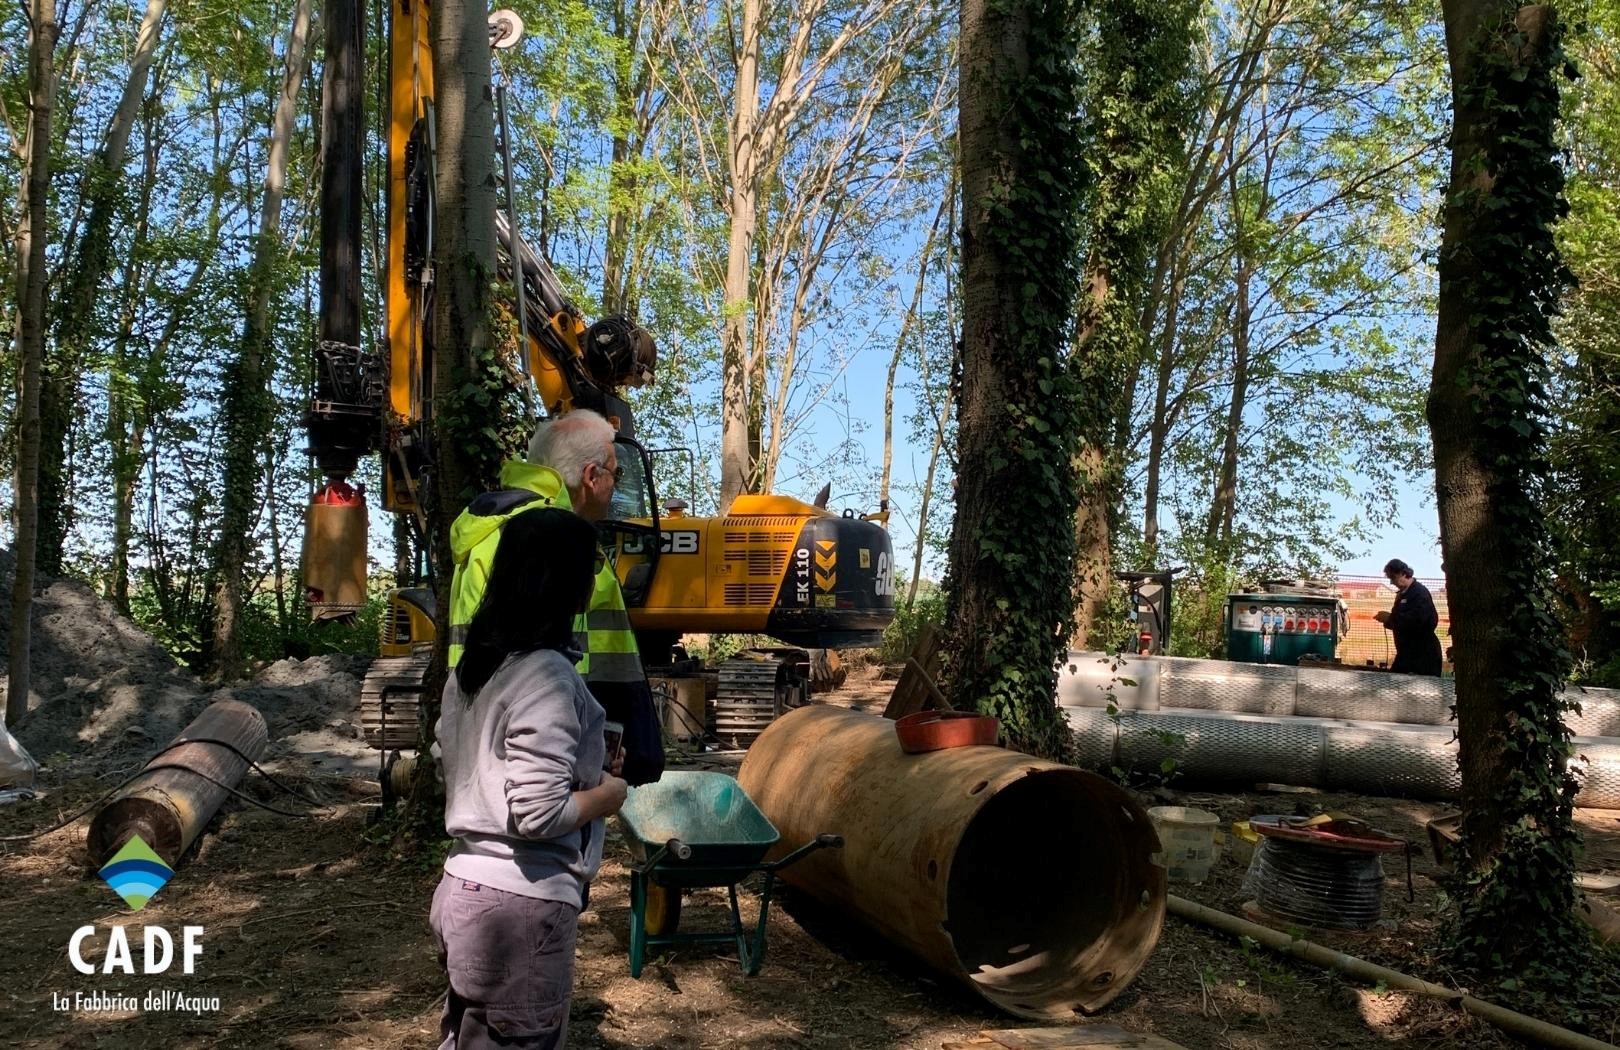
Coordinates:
[510,960]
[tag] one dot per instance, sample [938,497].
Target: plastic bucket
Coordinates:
[1187,841]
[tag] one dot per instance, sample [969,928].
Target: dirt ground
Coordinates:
[315,935]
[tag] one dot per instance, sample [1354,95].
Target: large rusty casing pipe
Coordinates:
[1028,881]
[169,804]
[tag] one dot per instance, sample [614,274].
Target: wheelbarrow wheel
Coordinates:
[663,909]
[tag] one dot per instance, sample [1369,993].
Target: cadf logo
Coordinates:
[136,873]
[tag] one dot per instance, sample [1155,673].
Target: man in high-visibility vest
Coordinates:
[572,464]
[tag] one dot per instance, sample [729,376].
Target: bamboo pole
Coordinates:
[1349,965]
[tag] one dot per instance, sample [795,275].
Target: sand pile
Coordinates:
[103,689]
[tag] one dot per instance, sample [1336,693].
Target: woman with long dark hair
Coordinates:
[521,743]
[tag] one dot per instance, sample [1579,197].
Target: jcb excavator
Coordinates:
[770,565]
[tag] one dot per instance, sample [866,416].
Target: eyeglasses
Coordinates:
[618,471]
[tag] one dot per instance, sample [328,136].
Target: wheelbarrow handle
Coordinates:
[673,848]
[825,841]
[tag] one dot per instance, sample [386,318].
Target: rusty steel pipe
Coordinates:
[1026,880]
[170,804]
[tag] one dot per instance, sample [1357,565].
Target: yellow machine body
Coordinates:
[772,565]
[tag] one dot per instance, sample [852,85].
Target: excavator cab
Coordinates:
[630,532]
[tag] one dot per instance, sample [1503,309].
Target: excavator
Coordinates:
[770,564]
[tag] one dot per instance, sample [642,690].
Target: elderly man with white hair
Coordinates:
[572,464]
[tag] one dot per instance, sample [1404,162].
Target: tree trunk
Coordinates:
[927,499]
[1138,109]
[76,305]
[1159,424]
[736,466]
[1223,507]
[125,431]
[1500,279]
[246,403]
[31,238]
[464,264]
[1009,586]
[904,338]
[621,176]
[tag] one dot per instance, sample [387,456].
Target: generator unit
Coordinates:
[1284,621]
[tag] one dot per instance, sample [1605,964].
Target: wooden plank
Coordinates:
[913,693]
[1072,1037]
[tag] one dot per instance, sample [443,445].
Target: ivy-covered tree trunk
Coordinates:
[1500,281]
[1009,584]
[30,273]
[246,404]
[1138,109]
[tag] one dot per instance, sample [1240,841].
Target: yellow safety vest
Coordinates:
[609,643]
[603,630]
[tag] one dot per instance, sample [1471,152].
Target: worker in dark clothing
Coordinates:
[1412,622]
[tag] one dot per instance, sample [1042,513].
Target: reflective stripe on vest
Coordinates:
[610,645]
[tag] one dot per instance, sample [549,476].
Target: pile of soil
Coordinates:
[104,691]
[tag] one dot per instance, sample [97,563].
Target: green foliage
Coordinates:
[1515,905]
[484,407]
[900,637]
[265,636]
[721,647]
[1584,494]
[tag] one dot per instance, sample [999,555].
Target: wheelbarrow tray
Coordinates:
[709,812]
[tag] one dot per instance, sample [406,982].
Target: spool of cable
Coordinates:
[1328,889]
[1320,872]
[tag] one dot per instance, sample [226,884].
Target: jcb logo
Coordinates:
[669,543]
[885,577]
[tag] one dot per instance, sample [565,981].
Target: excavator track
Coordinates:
[391,699]
[755,687]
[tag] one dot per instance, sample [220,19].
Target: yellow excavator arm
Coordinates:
[770,565]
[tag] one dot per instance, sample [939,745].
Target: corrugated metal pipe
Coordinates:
[1242,723]
[1508,1020]
[183,785]
[1028,881]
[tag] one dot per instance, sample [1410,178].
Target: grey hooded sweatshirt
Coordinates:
[512,760]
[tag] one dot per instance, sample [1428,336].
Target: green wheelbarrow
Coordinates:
[690,830]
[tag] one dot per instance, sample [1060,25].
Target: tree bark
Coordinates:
[903,339]
[464,265]
[246,404]
[1010,580]
[736,465]
[31,239]
[1517,833]
[1223,507]
[76,305]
